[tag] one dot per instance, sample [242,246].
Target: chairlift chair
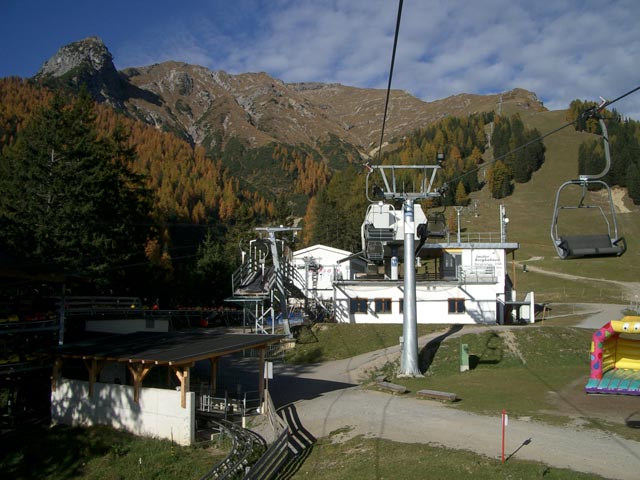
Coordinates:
[436,225]
[606,244]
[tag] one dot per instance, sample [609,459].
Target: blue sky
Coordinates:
[560,50]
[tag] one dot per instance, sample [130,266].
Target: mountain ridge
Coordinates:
[208,107]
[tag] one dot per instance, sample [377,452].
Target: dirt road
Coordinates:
[327,399]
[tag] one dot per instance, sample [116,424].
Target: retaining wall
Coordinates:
[157,414]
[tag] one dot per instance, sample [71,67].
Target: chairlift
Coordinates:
[605,244]
[437,225]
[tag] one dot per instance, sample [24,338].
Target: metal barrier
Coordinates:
[244,444]
[278,454]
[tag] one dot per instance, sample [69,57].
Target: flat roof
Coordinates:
[174,348]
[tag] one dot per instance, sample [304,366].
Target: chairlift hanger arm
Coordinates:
[607,155]
[390,185]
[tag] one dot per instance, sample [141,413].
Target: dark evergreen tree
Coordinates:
[69,197]
[633,183]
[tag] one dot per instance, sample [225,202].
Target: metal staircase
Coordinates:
[269,287]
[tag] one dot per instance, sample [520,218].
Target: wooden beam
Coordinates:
[55,377]
[261,378]
[94,367]
[138,373]
[214,375]
[182,372]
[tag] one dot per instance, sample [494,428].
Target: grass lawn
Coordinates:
[362,458]
[534,371]
[100,453]
[335,341]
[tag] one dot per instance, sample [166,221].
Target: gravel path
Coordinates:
[327,398]
[380,415]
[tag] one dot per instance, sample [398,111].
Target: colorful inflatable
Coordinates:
[615,358]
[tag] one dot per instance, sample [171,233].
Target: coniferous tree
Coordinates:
[69,197]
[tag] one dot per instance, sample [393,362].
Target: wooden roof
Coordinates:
[174,348]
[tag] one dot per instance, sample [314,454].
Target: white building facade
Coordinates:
[317,267]
[463,283]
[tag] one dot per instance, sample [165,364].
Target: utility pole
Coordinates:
[504,220]
[458,210]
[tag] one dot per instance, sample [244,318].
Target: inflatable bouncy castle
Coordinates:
[615,358]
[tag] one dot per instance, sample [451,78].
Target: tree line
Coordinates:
[624,146]
[95,193]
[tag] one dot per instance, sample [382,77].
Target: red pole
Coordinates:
[504,415]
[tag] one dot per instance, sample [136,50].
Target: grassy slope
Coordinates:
[520,374]
[362,458]
[530,211]
[100,453]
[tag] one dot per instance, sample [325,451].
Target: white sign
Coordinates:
[268,370]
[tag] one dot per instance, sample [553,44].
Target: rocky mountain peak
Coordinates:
[208,107]
[89,53]
[88,63]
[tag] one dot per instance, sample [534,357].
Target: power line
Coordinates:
[393,59]
[586,114]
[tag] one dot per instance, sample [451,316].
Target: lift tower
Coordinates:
[394,179]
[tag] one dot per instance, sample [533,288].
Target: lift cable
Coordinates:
[393,58]
[586,114]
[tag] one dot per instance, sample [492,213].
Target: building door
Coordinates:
[450,263]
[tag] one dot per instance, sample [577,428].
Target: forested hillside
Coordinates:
[624,138]
[200,205]
[192,197]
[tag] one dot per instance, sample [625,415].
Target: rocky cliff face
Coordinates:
[90,52]
[89,63]
[207,107]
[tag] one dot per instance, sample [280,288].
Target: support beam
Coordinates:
[409,358]
[138,372]
[184,376]
[214,375]
[55,376]
[94,367]
[261,373]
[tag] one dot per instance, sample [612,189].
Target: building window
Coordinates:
[456,305]
[401,305]
[383,305]
[358,305]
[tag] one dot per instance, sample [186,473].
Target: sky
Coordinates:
[561,50]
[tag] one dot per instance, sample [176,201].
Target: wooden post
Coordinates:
[94,369]
[214,375]
[55,377]
[184,377]
[138,373]
[261,379]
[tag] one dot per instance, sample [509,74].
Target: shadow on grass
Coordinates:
[305,356]
[41,451]
[428,352]
[492,354]
[304,334]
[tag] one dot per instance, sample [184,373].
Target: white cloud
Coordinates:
[562,50]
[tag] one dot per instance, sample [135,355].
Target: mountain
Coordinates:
[209,107]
